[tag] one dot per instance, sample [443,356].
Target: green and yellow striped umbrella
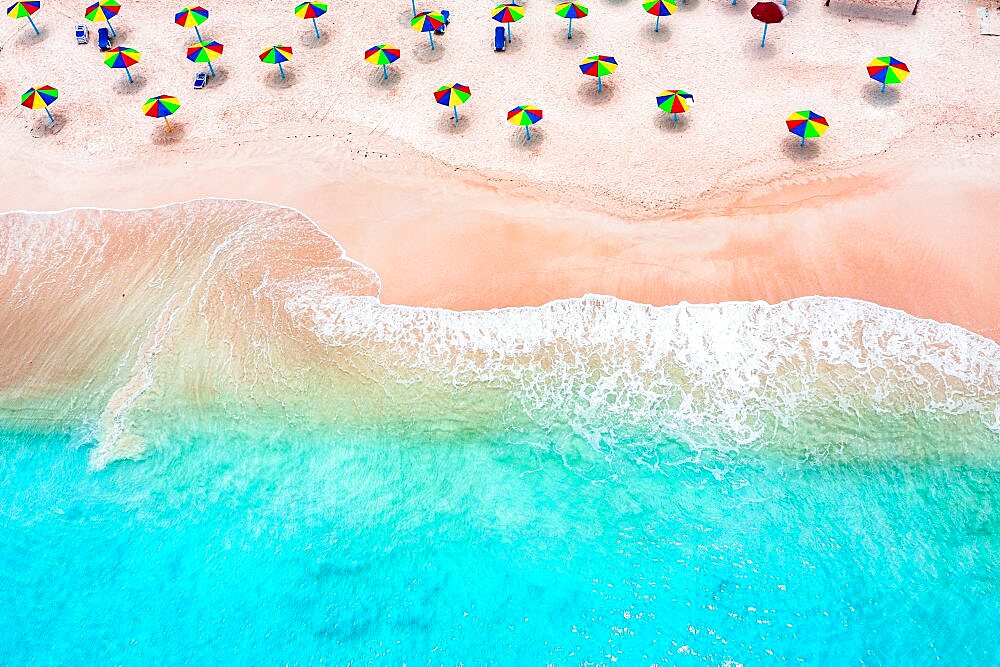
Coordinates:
[888,70]
[452,96]
[276,55]
[40,98]
[103,10]
[675,101]
[311,10]
[807,124]
[508,13]
[571,10]
[525,115]
[122,57]
[24,10]
[161,106]
[660,8]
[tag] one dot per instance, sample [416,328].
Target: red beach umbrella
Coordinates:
[768,13]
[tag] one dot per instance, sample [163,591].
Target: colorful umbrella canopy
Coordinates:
[675,101]
[598,66]
[807,124]
[21,10]
[768,13]
[122,57]
[888,70]
[103,10]
[452,96]
[311,10]
[659,8]
[382,54]
[191,17]
[205,52]
[161,106]
[571,10]
[525,115]
[40,98]
[508,13]
[277,55]
[427,22]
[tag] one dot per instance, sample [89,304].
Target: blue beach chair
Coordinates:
[499,39]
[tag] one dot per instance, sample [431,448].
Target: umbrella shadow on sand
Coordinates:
[308,38]
[754,50]
[519,141]
[792,149]
[221,74]
[274,80]
[872,93]
[123,87]
[427,55]
[649,35]
[378,82]
[666,122]
[28,38]
[579,39]
[587,91]
[42,127]
[447,125]
[162,137]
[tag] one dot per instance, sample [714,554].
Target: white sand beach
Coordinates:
[897,204]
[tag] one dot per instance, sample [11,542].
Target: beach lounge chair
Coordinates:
[82,34]
[200,79]
[104,39]
[499,39]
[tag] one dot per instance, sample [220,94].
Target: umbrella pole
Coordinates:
[316,28]
[33,25]
[385,72]
[431,35]
[675,117]
[569,34]
[455,109]
[657,28]
[764,37]
[883,86]
[803,140]
[413,3]
[169,129]
[734,3]
[210,68]
[51,119]
[508,33]
[527,131]
[282,70]
[198,32]
[598,84]
[112,28]
[128,74]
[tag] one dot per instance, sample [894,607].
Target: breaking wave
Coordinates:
[244,308]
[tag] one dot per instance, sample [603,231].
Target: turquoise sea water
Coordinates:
[491,550]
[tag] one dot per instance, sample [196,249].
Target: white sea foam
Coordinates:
[732,372]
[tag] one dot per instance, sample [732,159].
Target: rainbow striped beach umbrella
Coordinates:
[525,115]
[22,10]
[205,52]
[276,55]
[384,55]
[508,13]
[192,17]
[888,70]
[675,101]
[122,57]
[598,66]
[161,106]
[103,10]
[660,8]
[40,98]
[571,10]
[452,96]
[427,22]
[807,124]
[311,10]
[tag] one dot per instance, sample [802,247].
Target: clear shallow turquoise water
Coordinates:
[501,550]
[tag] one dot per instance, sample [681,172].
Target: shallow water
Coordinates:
[490,550]
[218,446]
